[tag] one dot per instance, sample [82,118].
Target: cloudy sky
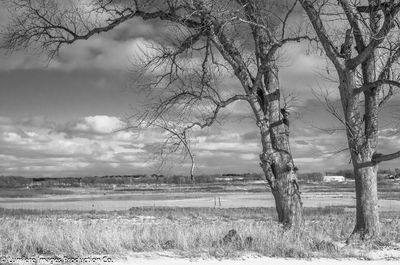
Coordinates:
[62,118]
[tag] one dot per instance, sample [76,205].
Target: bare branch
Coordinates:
[387,26]
[52,24]
[354,21]
[376,84]
[378,158]
[218,106]
[322,33]
[182,139]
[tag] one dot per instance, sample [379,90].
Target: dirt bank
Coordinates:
[372,258]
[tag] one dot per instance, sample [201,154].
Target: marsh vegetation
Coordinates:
[190,232]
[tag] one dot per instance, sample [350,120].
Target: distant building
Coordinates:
[229,178]
[334,179]
[391,176]
[224,178]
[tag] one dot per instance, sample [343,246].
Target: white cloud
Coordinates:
[30,150]
[252,157]
[102,53]
[101,124]
[91,125]
[235,146]
[89,146]
[12,137]
[308,159]
[126,136]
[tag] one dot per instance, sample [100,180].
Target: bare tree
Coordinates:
[366,64]
[176,142]
[210,38]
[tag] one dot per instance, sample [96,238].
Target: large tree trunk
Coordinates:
[276,159]
[367,217]
[362,136]
[288,203]
[280,173]
[287,197]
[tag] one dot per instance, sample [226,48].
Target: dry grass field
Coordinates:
[225,195]
[188,231]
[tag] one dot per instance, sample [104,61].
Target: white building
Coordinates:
[334,179]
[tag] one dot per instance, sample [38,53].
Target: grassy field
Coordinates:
[186,231]
[122,198]
[386,188]
[182,220]
[32,193]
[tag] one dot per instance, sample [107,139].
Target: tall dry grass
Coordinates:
[188,231]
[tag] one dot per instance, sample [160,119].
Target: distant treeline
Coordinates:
[93,181]
[347,173]
[319,177]
[311,177]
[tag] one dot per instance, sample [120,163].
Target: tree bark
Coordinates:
[287,196]
[367,216]
[362,136]
[276,159]
[280,173]
[288,203]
